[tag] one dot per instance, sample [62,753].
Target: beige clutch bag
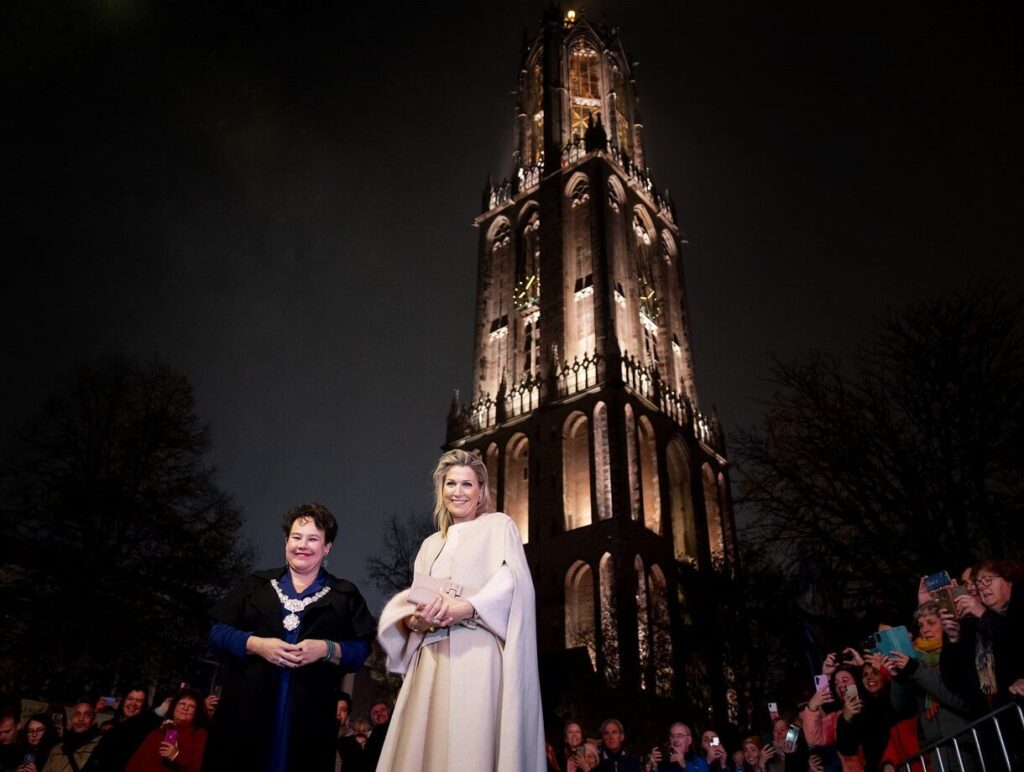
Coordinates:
[425,588]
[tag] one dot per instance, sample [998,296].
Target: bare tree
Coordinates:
[114,536]
[391,569]
[905,459]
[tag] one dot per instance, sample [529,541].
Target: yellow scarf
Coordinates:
[930,651]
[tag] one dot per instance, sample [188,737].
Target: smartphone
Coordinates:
[937,581]
[111,701]
[851,690]
[792,735]
[715,741]
[773,709]
[171,736]
[820,682]
[944,598]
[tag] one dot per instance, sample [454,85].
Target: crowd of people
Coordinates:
[871,710]
[127,734]
[874,706]
[463,637]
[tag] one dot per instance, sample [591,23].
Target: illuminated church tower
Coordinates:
[584,402]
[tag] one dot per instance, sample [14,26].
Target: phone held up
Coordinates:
[937,581]
[792,737]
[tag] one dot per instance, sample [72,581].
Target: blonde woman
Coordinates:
[464,638]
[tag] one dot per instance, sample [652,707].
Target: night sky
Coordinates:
[279,202]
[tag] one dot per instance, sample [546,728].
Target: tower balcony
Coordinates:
[580,376]
[527,178]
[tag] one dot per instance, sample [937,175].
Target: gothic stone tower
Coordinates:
[584,403]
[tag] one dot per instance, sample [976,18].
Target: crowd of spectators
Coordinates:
[874,706]
[126,734]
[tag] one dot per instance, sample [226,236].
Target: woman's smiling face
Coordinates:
[305,547]
[461,493]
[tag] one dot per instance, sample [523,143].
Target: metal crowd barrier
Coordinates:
[967,749]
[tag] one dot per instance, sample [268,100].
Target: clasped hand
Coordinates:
[441,611]
[284,654]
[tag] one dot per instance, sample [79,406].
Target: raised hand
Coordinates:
[968,604]
[820,697]
[896,661]
[854,656]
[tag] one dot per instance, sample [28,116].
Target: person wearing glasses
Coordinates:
[678,754]
[993,621]
[179,742]
[35,743]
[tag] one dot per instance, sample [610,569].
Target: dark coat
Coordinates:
[240,733]
[119,744]
[1006,634]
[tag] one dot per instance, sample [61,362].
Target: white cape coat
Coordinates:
[485,545]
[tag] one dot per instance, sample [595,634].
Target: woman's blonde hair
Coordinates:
[447,462]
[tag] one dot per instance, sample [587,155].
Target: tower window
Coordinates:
[579,610]
[535,116]
[623,129]
[584,86]
[576,471]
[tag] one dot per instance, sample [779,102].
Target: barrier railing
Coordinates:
[983,757]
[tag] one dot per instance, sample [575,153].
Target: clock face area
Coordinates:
[649,304]
[527,292]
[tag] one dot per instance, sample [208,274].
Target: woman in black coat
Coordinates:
[291,633]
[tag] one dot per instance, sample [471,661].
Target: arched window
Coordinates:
[631,463]
[649,476]
[625,307]
[535,113]
[714,515]
[584,86]
[609,628]
[667,248]
[579,610]
[623,125]
[517,483]
[528,256]
[684,537]
[644,238]
[579,268]
[642,620]
[616,194]
[576,471]
[498,299]
[602,462]
[661,632]
[531,344]
[491,462]
[650,302]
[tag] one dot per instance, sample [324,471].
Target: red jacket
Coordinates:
[191,744]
